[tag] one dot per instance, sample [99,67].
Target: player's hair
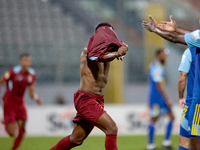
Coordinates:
[24,55]
[158,51]
[103,24]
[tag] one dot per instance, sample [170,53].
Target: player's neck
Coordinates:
[24,71]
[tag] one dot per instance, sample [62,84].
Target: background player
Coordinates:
[17,79]
[89,101]
[172,32]
[158,100]
[187,72]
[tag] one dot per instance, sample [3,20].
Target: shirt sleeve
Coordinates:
[185,61]
[8,75]
[193,39]
[157,74]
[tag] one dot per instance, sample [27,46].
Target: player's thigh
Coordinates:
[10,128]
[106,124]
[81,130]
[195,143]
[21,123]
[184,141]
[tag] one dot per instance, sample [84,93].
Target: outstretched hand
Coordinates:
[150,25]
[168,25]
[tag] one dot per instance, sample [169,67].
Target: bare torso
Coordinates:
[94,75]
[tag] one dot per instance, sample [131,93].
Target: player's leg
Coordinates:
[20,115]
[184,137]
[109,127]
[167,142]
[21,127]
[151,133]
[195,142]
[154,115]
[10,129]
[184,143]
[81,130]
[9,119]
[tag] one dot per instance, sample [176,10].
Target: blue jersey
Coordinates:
[196,90]
[193,39]
[156,75]
[187,65]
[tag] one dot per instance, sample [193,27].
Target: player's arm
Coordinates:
[109,56]
[163,93]
[172,26]
[168,35]
[2,81]
[184,69]
[181,88]
[33,95]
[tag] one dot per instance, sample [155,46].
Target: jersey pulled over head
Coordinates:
[105,39]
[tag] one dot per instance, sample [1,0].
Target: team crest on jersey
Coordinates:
[7,75]
[19,78]
[30,79]
[196,35]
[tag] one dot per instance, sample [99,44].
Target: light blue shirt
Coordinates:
[186,61]
[193,39]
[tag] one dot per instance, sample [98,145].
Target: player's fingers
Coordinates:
[164,22]
[170,17]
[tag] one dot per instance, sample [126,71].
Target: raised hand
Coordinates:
[150,25]
[168,25]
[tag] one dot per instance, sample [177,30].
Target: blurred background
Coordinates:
[55,32]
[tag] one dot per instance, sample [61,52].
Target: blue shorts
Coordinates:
[157,110]
[184,121]
[194,120]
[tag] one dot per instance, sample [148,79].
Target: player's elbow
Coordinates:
[181,81]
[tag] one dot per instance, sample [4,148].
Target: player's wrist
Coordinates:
[181,97]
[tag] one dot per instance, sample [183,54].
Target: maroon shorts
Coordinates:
[89,106]
[13,112]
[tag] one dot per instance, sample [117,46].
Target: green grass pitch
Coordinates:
[91,143]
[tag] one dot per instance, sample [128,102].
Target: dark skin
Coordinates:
[172,36]
[94,77]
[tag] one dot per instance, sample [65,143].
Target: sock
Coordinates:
[168,130]
[182,148]
[18,139]
[111,142]
[64,144]
[151,132]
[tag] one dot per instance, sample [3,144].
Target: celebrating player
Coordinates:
[172,32]
[187,72]
[17,79]
[103,47]
[158,100]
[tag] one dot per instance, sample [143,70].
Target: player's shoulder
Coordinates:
[32,71]
[16,69]
[187,52]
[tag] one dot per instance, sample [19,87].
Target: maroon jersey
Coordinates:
[16,83]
